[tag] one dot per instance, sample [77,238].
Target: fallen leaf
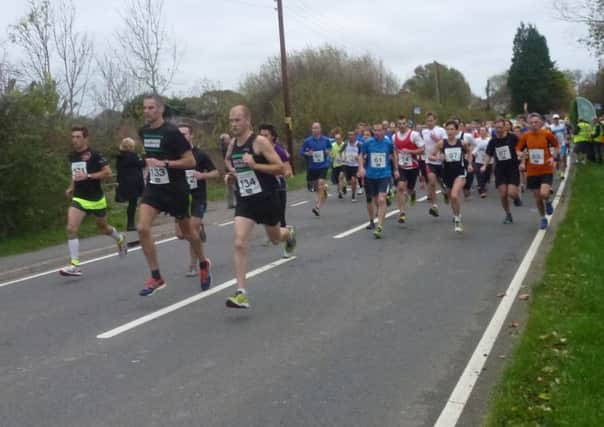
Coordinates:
[515,324]
[523,297]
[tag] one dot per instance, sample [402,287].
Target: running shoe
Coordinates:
[290,244]
[122,246]
[549,207]
[315,210]
[446,197]
[458,226]
[205,275]
[508,219]
[483,195]
[354,199]
[413,198]
[360,192]
[370,226]
[543,224]
[152,285]
[71,271]
[378,232]
[402,218]
[192,272]
[238,300]
[517,202]
[433,211]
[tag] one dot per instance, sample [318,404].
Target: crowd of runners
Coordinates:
[385,162]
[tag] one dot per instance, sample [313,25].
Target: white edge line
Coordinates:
[90,261]
[188,301]
[299,204]
[463,389]
[224,224]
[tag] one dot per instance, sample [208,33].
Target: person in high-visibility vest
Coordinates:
[597,139]
[582,139]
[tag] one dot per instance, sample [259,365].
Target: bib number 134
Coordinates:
[248,183]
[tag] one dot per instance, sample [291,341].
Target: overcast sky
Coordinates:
[224,40]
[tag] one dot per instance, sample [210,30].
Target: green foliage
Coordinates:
[438,83]
[33,166]
[533,77]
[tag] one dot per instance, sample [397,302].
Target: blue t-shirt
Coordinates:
[321,147]
[377,154]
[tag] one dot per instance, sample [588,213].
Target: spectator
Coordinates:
[130,182]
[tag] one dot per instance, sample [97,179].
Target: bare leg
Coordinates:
[243,228]
[380,201]
[458,186]
[146,216]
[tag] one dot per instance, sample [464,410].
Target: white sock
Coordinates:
[114,234]
[242,290]
[458,218]
[74,249]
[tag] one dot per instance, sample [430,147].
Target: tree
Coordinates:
[533,77]
[115,85]
[33,33]
[441,84]
[589,13]
[74,50]
[147,51]
[592,87]
[9,74]
[499,94]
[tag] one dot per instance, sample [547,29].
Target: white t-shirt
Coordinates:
[441,134]
[480,150]
[560,132]
[468,139]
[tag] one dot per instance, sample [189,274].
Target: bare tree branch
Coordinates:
[33,33]
[75,52]
[150,55]
[116,85]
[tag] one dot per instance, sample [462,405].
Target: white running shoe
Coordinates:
[71,270]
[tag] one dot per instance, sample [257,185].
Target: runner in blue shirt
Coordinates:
[316,149]
[376,163]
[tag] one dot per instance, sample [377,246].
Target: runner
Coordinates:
[337,167]
[376,163]
[88,169]
[539,165]
[253,164]
[196,178]
[168,155]
[409,145]
[558,128]
[269,132]
[432,135]
[371,206]
[502,148]
[466,135]
[316,149]
[457,163]
[351,163]
[479,153]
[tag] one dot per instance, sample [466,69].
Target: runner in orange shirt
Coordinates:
[539,164]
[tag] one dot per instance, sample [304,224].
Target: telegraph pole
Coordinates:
[285,82]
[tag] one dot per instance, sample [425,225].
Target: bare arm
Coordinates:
[264,147]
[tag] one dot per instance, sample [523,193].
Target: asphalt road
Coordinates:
[353,332]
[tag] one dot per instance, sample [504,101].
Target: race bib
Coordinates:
[78,167]
[452,154]
[318,156]
[378,160]
[159,175]
[351,157]
[191,179]
[537,156]
[405,160]
[248,183]
[503,153]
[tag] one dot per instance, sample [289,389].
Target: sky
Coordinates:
[224,40]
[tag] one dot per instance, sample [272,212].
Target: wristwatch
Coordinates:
[167,164]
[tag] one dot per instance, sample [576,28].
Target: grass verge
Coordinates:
[555,377]
[32,241]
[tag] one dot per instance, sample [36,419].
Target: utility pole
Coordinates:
[285,82]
